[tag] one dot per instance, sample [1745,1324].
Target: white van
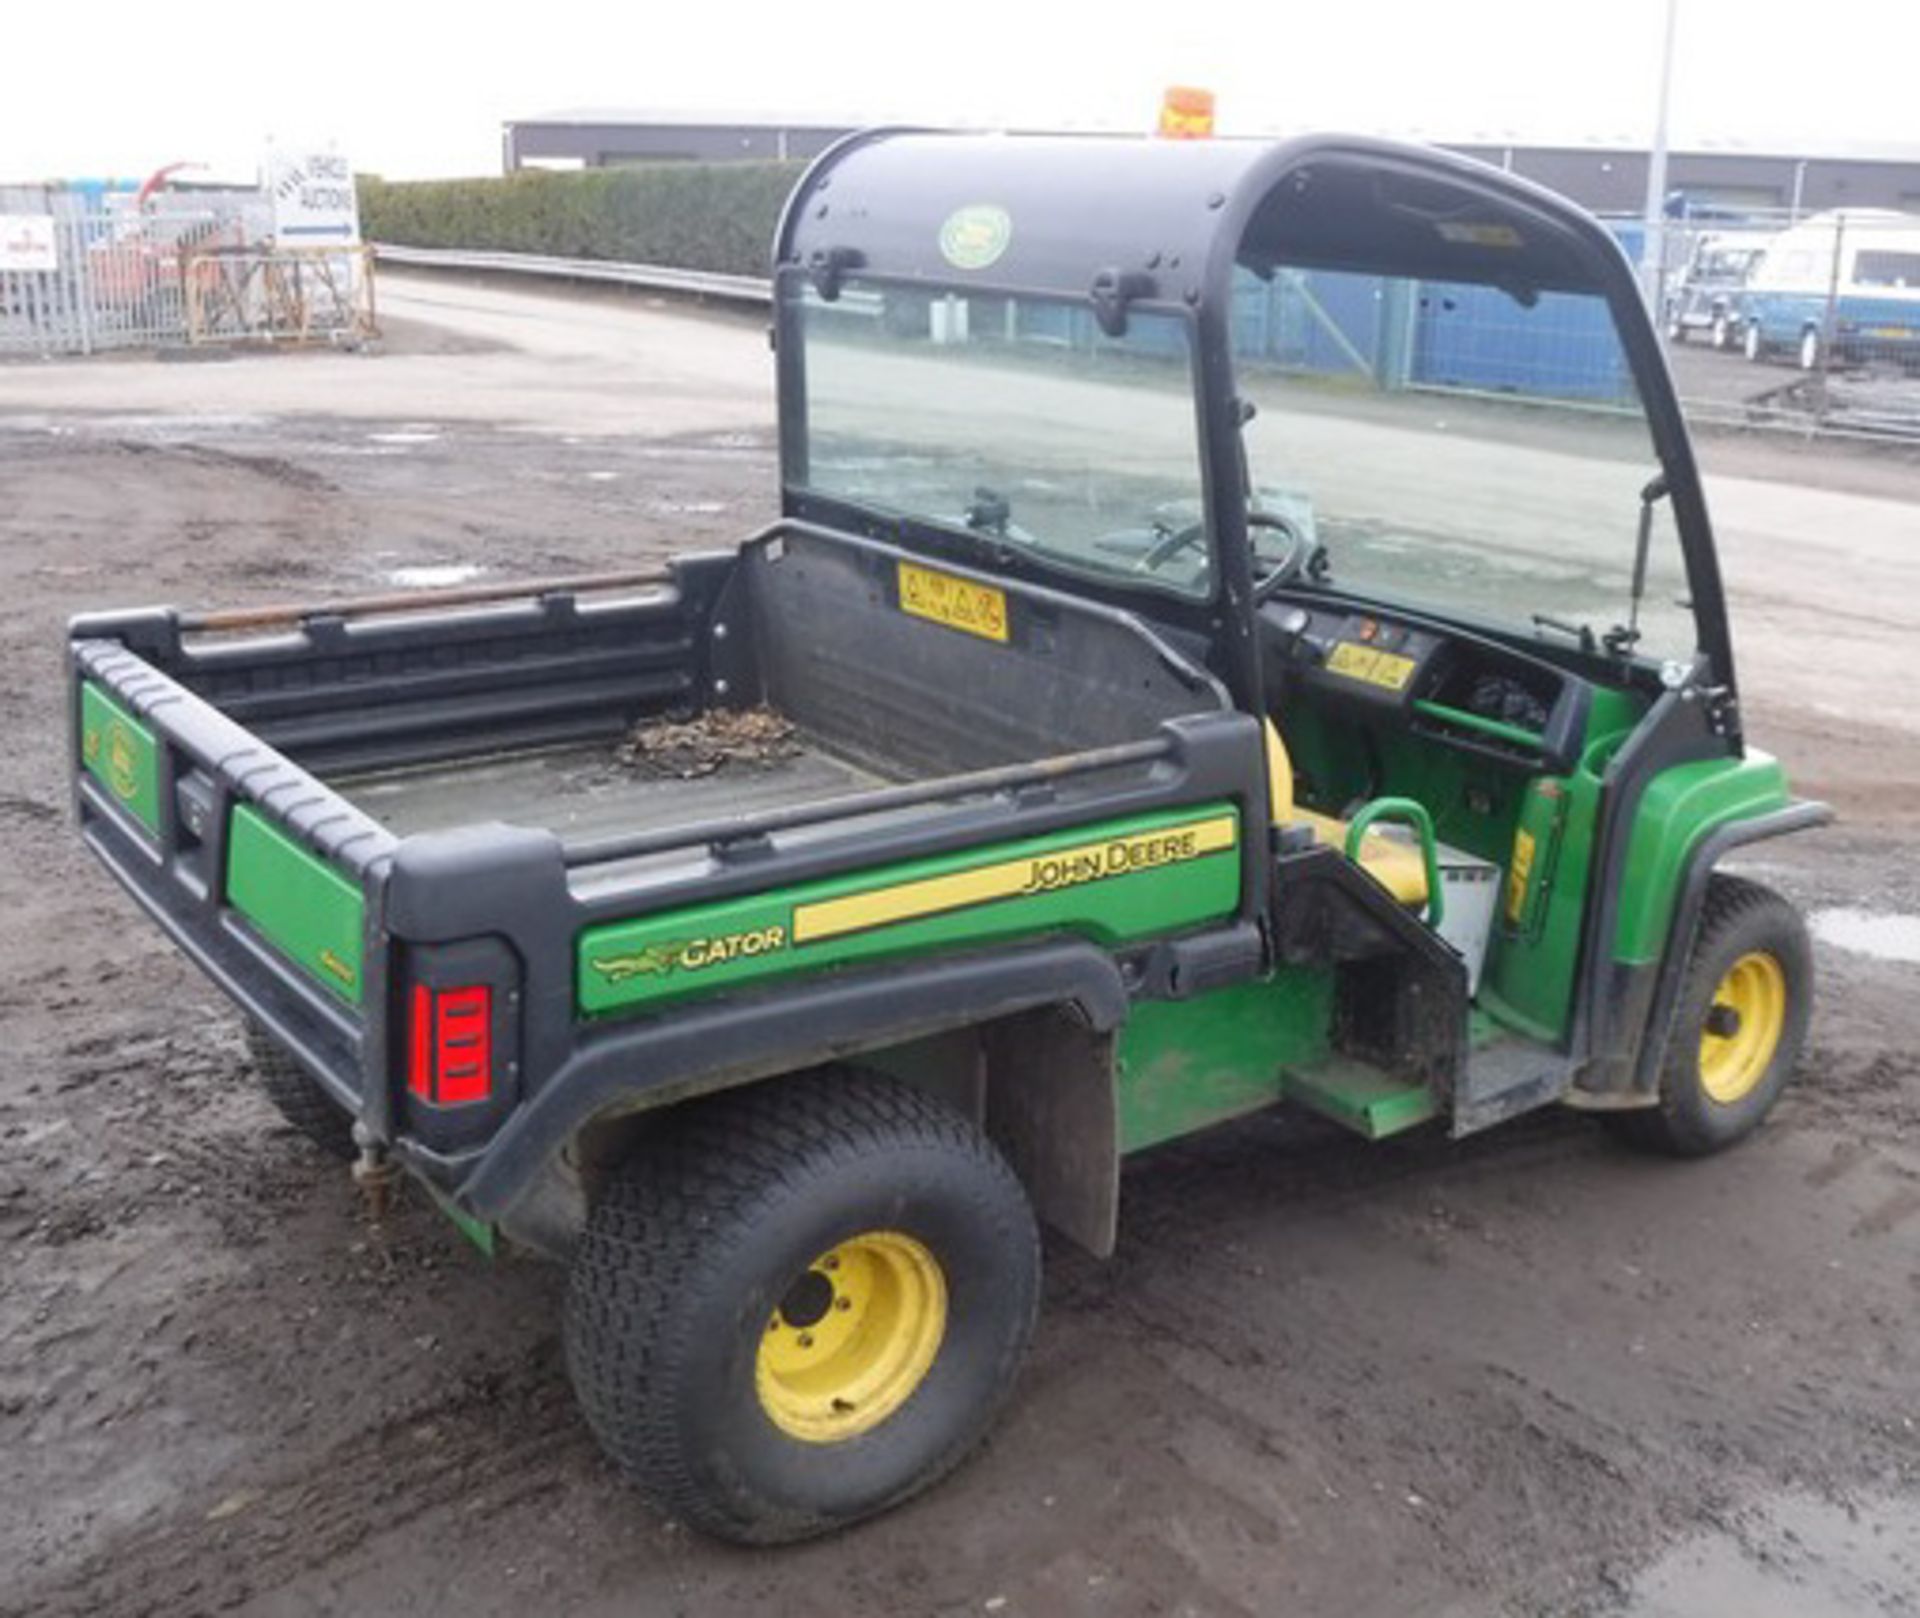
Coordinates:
[1874,287]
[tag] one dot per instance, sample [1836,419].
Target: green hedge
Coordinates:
[695,216]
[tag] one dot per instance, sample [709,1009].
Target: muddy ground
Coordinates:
[1528,1374]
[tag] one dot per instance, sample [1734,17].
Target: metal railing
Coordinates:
[748,289]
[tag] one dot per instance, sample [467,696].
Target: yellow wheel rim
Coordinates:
[1743,1027]
[854,1335]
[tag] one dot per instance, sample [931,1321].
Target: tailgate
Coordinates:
[257,871]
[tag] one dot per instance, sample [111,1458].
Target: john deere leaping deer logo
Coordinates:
[690,954]
[975,236]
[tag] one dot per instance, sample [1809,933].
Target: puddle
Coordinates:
[433,577]
[1887,936]
[601,477]
[1795,1557]
[403,438]
[689,508]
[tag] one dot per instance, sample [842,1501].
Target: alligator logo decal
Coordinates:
[690,954]
[653,961]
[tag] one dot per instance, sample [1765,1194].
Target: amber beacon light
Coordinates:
[1186,113]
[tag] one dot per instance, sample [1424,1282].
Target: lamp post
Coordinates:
[1653,248]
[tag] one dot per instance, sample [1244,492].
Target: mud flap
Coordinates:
[1051,1109]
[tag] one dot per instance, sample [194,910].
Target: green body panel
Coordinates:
[1364,1099]
[1183,1064]
[1678,808]
[1612,715]
[660,959]
[1535,949]
[1531,960]
[299,903]
[121,754]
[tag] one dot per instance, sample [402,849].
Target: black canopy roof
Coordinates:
[1072,208]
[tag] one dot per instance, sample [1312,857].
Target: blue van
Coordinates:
[1875,292]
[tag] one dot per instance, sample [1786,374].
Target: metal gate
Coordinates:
[101,280]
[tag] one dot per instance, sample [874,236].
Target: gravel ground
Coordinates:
[1527,1374]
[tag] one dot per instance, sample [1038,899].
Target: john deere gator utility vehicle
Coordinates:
[1252,634]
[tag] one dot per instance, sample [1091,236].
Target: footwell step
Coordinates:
[1363,1098]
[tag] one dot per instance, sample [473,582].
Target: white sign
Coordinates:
[314,203]
[27,242]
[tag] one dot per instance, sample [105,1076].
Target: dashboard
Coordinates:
[1466,692]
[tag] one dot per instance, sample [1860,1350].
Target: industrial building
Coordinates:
[1605,178]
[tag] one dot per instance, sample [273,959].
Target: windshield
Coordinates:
[1455,449]
[1014,419]
[1724,263]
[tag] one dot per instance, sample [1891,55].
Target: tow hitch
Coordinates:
[374,1172]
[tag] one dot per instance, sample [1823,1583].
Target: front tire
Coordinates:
[1809,350]
[1720,334]
[1738,1027]
[1752,344]
[800,1303]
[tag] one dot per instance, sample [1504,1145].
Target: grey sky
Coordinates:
[411,90]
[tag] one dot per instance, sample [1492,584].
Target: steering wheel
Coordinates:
[1298,549]
[1298,559]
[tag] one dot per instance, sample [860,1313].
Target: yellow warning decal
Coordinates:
[1474,234]
[1370,665]
[976,609]
[1519,873]
[1014,879]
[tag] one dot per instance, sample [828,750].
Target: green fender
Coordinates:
[1680,808]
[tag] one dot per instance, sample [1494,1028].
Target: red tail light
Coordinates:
[451,1044]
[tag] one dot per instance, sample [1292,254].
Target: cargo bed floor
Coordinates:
[582,792]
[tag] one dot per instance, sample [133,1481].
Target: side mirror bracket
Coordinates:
[1112,291]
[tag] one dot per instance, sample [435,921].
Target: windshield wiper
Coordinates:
[990,512]
[1583,633]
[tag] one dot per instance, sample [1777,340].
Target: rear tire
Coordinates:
[1752,344]
[1720,334]
[1809,350]
[1738,1026]
[297,1096]
[801,1302]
